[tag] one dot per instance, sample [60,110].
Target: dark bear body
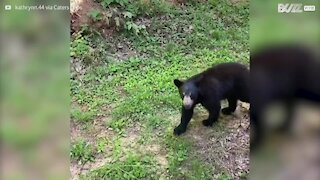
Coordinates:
[285,74]
[224,81]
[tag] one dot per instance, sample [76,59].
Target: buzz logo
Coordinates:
[290,8]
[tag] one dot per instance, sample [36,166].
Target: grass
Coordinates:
[139,90]
[81,116]
[132,167]
[82,152]
[177,153]
[101,145]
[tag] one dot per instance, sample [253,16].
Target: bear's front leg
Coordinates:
[186,115]
[214,111]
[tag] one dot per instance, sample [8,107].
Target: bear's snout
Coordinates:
[187,102]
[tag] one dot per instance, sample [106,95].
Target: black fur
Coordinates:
[224,81]
[282,74]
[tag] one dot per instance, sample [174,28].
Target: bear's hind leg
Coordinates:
[231,108]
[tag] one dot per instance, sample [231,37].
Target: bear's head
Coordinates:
[189,92]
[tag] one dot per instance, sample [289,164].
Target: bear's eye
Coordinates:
[192,96]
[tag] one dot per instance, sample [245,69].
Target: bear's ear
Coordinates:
[178,83]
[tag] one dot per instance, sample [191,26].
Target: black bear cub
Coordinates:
[224,81]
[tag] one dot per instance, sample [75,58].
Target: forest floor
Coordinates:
[124,103]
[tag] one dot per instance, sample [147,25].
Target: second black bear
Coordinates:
[284,74]
[224,81]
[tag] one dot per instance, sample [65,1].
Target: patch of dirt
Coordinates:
[79,10]
[77,69]
[121,49]
[225,146]
[130,142]
[98,162]
[91,138]
[91,134]
[104,22]
[118,48]
[159,154]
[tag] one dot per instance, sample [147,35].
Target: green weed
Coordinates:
[80,48]
[177,151]
[107,3]
[117,125]
[81,116]
[225,176]
[101,145]
[132,167]
[82,151]
[199,170]
[95,15]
